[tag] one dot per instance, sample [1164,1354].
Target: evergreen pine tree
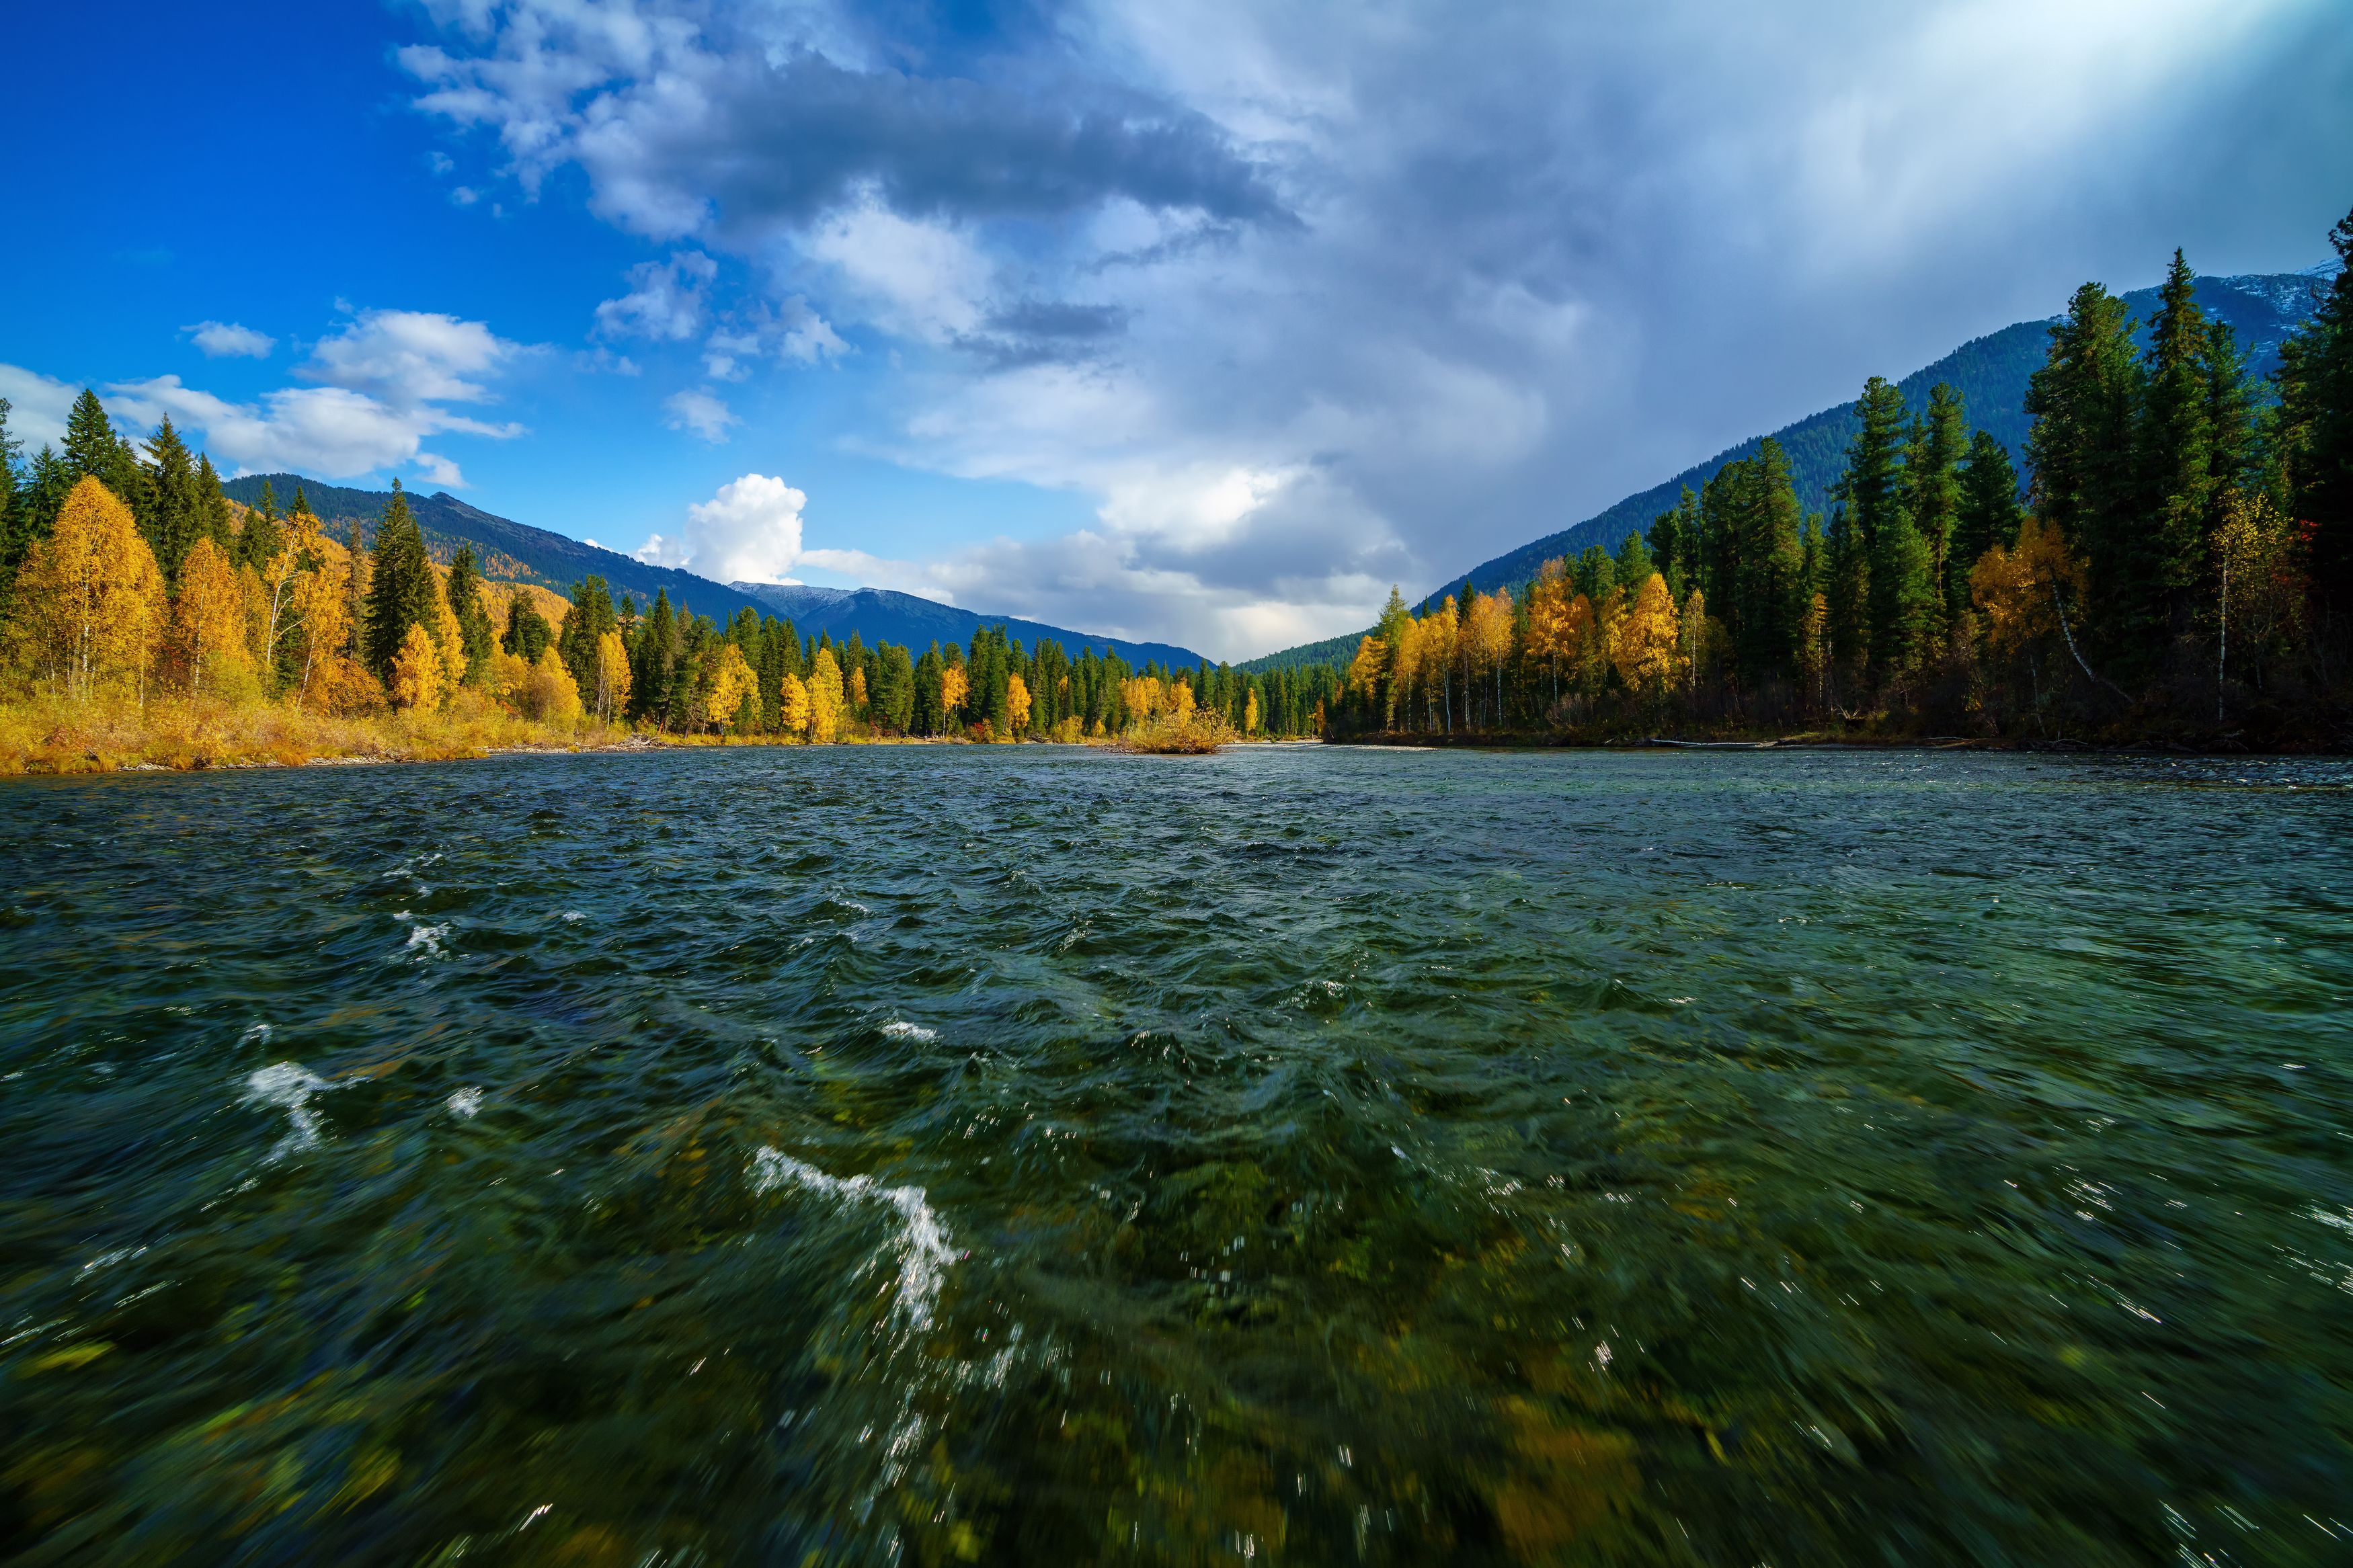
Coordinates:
[91,441]
[174,517]
[1769,599]
[464,592]
[212,508]
[260,537]
[2081,450]
[653,660]
[2174,451]
[1900,597]
[403,593]
[1634,561]
[1933,483]
[15,512]
[1988,515]
[2315,438]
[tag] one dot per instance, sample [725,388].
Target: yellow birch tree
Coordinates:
[731,685]
[793,705]
[1017,704]
[1646,642]
[613,676]
[825,700]
[209,616]
[90,597]
[417,672]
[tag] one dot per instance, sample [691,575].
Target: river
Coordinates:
[1024,1154]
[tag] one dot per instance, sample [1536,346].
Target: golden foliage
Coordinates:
[90,603]
[321,608]
[209,616]
[1250,712]
[1487,634]
[825,700]
[955,687]
[555,696]
[1365,670]
[794,705]
[544,693]
[1645,652]
[731,684]
[2015,589]
[613,677]
[2261,585]
[1017,704]
[417,672]
[448,637]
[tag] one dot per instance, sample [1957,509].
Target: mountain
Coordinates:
[879,615]
[518,553]
[1990,373]
[513,552]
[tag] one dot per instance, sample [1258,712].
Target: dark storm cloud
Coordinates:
[1313,296]
[791,141]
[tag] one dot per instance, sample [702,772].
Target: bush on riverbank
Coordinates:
[1191,732]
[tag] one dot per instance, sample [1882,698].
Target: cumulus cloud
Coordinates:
[1309,298]
[38,406]
[227,339]
[748,532]
[702,412]
[384,383]
[665,300]
[406,359]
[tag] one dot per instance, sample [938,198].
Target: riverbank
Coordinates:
[52,735]
[57,736]
[2321,734]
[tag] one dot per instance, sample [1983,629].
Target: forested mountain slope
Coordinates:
[509,551]
[879,616]
[1990,373]
[518,553]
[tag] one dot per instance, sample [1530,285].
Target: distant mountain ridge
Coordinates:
[516,551]
[1990,373]
[883,614]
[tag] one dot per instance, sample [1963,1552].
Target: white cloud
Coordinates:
[698,411]
[407,358]
[38,406]
[1444,279]
[919,279]
[387,378]
[227,339]
[665,300]
[748,532]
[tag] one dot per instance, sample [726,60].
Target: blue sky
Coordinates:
[1204,323]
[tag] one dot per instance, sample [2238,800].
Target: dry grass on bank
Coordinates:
[50,734]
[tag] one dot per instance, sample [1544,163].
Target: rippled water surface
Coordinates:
[1027,1155]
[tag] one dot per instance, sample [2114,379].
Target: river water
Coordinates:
[1307,1154]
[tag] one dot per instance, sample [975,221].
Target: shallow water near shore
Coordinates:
[903,1155]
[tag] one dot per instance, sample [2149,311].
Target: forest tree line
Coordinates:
[133,571]
[2179,553]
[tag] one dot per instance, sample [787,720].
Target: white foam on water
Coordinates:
[923,1249]
[289,1086]
[424,941]
[898,1029]
[465,1103]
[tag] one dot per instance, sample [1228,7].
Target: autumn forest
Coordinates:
[2173,560]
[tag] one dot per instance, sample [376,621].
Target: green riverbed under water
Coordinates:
[912,1155]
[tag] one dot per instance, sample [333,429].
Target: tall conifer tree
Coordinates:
[2081,448]
[2316,433]
[402,592]
[174,517]
[1988,515]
